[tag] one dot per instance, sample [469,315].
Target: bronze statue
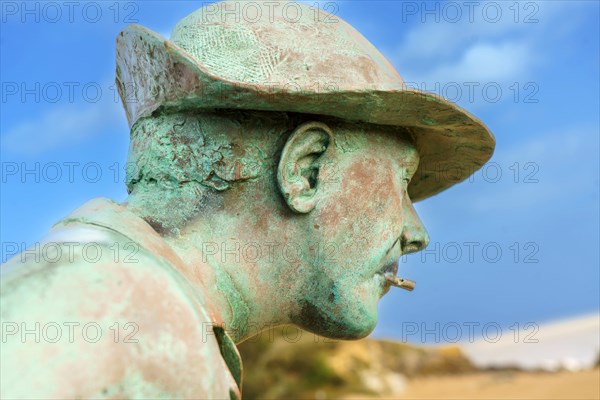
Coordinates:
[274,161]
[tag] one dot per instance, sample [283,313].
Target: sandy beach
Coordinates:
[508,385]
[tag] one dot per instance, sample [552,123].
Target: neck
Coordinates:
[235,260]
[234,289]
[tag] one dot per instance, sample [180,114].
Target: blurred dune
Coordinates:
[571,344]
[287,363]
[508,385]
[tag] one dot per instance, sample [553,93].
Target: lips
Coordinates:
[388,274]
[390,268]
[391,265]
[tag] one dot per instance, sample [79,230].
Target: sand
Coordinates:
[508,385]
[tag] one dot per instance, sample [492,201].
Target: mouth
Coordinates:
[390,278]
[387,275]
[389,269]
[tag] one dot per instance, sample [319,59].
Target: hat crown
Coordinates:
[286,56]
[282,43]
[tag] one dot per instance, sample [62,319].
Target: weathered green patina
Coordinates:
[275,165]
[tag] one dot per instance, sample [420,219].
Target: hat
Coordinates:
[287,56]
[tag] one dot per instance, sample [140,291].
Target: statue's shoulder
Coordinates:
[102,315]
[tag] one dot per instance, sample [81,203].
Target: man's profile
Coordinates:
[276,160]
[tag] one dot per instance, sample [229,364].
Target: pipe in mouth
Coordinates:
[401,283]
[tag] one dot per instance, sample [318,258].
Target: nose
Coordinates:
[414,236]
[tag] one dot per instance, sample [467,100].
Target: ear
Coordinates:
[298,170]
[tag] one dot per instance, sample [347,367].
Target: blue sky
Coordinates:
[517,243]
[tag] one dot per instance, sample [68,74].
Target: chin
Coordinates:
[344,323]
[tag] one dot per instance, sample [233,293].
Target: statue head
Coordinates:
[286,154]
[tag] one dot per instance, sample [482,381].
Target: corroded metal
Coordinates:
[316,64]
[275,166]
[401,283]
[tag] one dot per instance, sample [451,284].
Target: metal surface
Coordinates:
[401,283]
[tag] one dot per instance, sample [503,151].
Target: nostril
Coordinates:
[413,246]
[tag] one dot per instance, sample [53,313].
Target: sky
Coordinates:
[513,247]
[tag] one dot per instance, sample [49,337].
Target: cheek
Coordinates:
[364,210]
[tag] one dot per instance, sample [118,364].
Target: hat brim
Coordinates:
[155,74]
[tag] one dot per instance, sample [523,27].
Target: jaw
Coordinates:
[340,310]
[323,323]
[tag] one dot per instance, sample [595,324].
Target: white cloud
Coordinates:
[485,62]
[62,126]
[481,50]
[570,343]
[445,40]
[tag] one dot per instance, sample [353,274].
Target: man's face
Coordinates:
[363,222]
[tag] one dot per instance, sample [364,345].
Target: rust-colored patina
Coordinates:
[276,161]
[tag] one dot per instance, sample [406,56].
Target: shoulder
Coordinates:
[104,317]
[95,265]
